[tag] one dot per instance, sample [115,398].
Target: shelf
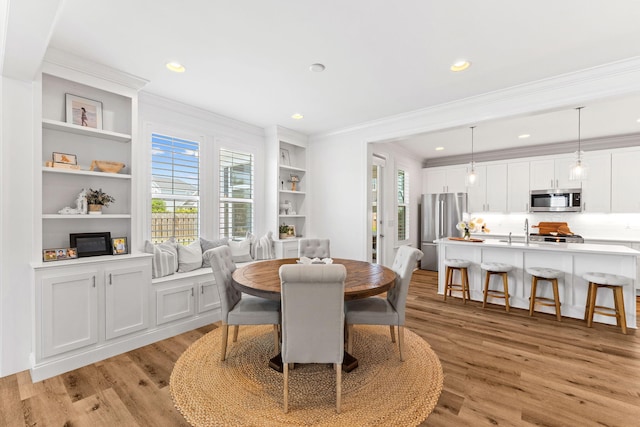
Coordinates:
[85,131]
[292,168]
[87,173]
[292,192]
[292,216]
[77,216]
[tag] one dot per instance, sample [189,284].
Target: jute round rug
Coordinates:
[244,391]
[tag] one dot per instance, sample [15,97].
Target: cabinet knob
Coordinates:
[110,280]
[94,281]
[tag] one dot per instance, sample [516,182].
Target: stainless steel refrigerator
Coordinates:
[440,214]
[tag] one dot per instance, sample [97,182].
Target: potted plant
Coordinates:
[283,230]
[96,199]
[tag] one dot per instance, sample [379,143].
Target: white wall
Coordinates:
[16,243]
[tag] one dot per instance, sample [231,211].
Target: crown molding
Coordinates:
[565,147]
[553,93]
[55,57]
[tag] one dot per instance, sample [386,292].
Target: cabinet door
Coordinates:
[208,298]
[625,174]
[562,173]
[69,312]
[518,187]
[126,300]
[496,188]
[596,189]
[435,181]
[542,175]
[174,303]
[456,180]
[477,194]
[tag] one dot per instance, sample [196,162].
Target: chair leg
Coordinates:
[620,312]
[556,298]
[349,338]
[286,387]
[235,332]
[401,342]
[464,279]
[338,386]
[276,338]
[223,344]
[586,305]
[447,280]
[486,290]
[505,282]
[532,299]
[593,292]
[393,333]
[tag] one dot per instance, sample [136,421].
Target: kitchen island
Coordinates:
[574,259]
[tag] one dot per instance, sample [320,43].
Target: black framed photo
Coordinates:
[91,244]
[119,246]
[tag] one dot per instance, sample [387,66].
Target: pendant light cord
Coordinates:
[472,165]
[579,137]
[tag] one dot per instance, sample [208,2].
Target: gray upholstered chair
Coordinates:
[238,309]
[314,248]
[312,318]
[389,311]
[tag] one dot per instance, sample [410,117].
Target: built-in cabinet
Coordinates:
[551,174]
[489,194]
[445,180]
[596,189]
[625,174]
[518,187]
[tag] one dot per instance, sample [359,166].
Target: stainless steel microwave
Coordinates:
[568,200]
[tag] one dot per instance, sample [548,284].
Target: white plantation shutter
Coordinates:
[403,205]
[236,194]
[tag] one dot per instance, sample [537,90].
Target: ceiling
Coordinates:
[249,59]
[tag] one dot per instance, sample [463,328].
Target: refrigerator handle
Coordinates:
[441,222]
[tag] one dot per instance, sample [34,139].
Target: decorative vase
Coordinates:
[467,234]
[283,235]
[95,209]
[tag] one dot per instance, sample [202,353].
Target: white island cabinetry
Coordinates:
[574,259]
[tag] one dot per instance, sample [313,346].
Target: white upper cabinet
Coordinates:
[490,192]
[446,180]
[551,174]
[625,174]
[596,189]
[518,187]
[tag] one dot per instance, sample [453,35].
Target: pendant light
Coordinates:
[472,176]
[578,171]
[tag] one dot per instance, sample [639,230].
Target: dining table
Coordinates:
[364,279]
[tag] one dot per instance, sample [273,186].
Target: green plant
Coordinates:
[98,197]
[158,206]
[283,229]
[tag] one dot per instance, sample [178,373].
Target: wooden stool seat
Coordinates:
[461,265]
[551,275]
[502,270]
[610,281]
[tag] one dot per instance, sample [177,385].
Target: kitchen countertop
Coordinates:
[550,246]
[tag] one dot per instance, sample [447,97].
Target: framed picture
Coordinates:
[49,255]
[83,111]
[58,254]
[91,244]
[67,159]
[72,253]
[291,231]
[119,245]
[284,157]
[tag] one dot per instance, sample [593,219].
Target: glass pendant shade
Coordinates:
[578,170]
[472,175]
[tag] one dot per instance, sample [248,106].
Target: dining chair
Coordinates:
[314,248]
[312,299]
[389,311]
[238,309]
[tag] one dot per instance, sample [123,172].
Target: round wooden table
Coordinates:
[363,278]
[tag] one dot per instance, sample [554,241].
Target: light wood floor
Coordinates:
[500,368]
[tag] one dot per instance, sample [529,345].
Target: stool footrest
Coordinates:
[550,302]
[495,294]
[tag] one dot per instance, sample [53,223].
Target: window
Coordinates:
[403,205]
[175,189]
[236,194]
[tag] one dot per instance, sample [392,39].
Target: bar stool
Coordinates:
[550,275]
[610,281]
[502,270]
[461,266]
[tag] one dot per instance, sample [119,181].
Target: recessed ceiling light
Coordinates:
[176,67]
[297,116]
[439,148]
[524,136]
[317,68]
[461,65]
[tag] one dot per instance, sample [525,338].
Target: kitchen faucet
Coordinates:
[526,231]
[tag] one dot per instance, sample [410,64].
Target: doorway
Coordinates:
[377,210]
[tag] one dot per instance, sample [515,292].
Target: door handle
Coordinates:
[110,280]
[94,281]
[382,235]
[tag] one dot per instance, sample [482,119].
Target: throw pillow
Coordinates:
[189,257]
[264,248]
[240,251]
[210,244]
[170,245]
[162,263]
[253,240]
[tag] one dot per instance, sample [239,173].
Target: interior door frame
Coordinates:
[378,161]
